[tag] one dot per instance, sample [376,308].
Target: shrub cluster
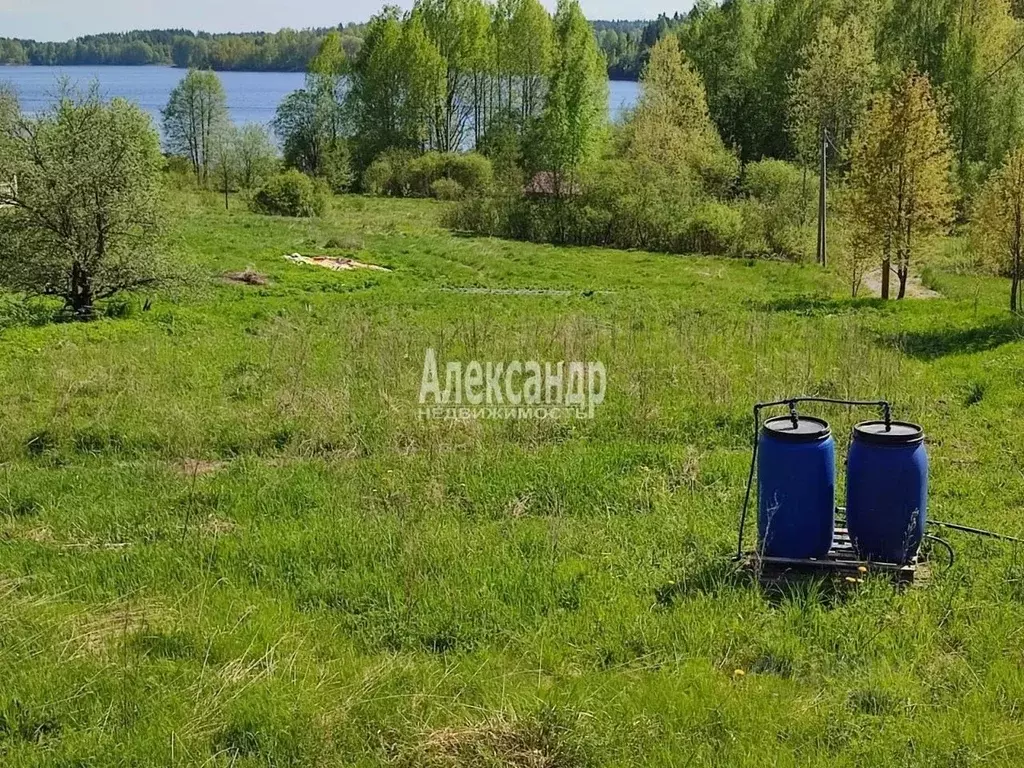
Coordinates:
[291,193]
[446,176]
[618,205]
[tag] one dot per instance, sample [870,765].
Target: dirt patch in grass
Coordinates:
[39,534]
[44,535]
[528,744]
[246,277]
[97,632]
[217,526]
[198,467]
[519,506]
[915,288]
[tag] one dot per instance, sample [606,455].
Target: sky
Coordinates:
[64,19]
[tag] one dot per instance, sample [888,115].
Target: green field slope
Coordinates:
[227,538]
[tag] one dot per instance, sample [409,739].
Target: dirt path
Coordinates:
[915,288]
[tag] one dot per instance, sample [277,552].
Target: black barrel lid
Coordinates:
[806,429]
[897,433]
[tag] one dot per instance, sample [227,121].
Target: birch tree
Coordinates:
[999,226]
[900,176]
[195,113]
[576,107]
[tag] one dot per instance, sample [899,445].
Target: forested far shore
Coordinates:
[625,45]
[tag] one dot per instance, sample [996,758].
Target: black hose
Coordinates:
[946,544]
[750,483]
[975,531]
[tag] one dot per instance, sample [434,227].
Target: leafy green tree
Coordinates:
[899,178]
[913,33]
[670,124]
[983,36]
[670,141]
[188,52]
[459,30]
[531,40]
[242,158]
[329,64]
[477,24]
[395,83]
[301,123]
[423,81]
[311,122]
[195,113]
[504,55]
[722,41]
[256,155]
[576,106]
[522,50]
[790,27]
[999,226]
[83,219]
[12,52]
[831,90]
[224,163]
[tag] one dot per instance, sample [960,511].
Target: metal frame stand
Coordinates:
[842,559]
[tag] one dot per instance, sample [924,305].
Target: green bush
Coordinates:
[713,228]
[402,174]
[290,194]
[718,173]
[472,170]
[482,215]
[446,189]
[421,173]
[781,186]
[178,173]
[377,176]
[178,164]
[502,141]
[391,175]
[336,167]
[780,201]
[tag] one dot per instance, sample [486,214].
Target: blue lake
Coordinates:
[252,96]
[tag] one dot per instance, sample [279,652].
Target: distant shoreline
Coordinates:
[616,78]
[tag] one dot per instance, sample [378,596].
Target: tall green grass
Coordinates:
[227,538]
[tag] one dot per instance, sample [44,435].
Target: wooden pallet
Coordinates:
[841,562]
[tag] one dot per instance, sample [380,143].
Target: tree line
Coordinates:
[288,50]
[624,44]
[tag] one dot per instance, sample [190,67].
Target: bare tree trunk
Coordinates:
[81,299]
[902,273]
[886,267]
[1016,276]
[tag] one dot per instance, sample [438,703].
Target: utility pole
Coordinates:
[822,208]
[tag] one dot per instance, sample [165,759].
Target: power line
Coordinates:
[1002,66]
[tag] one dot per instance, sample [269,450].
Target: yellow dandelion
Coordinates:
[738,673]
[851,579]
[863,569]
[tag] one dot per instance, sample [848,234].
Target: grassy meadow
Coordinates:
[227,539]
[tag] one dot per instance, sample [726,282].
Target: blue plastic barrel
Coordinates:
[796,484]
[887,490]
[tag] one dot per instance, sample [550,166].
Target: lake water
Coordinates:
[252,96]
